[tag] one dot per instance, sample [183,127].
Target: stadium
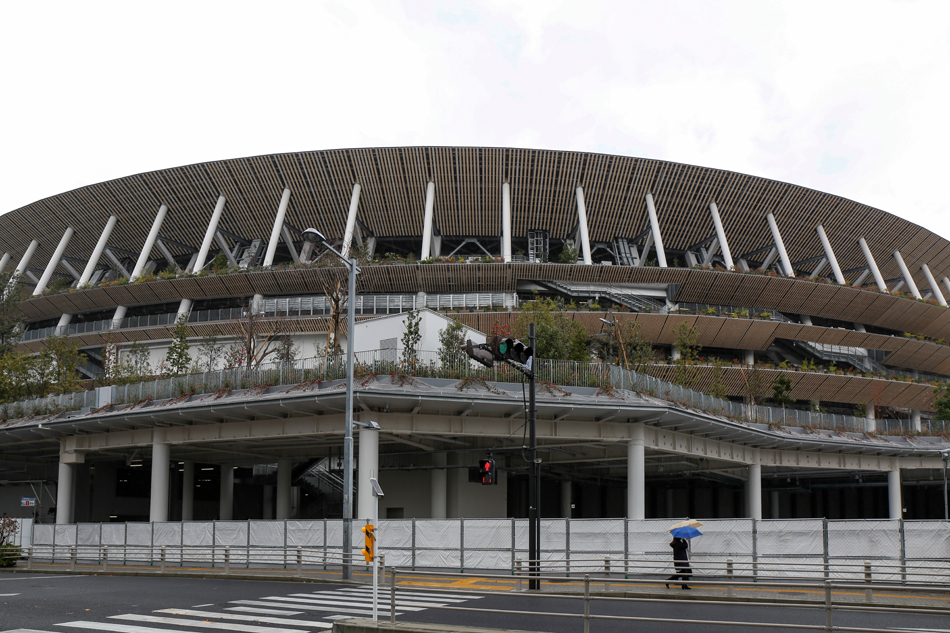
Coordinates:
[757,282]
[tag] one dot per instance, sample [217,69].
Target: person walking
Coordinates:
[680,562]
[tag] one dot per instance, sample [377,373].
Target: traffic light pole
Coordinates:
[534,484]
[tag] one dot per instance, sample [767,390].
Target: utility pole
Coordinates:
[534,483]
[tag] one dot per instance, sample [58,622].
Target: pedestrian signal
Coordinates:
[486,469]
[369,542]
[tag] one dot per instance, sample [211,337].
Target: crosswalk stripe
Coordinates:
[252,618]
[333,604]
[25,630]
[383,598]
[264,611]
[5,595]
[203,624]
[400,595]
[313,607]
[406,592]
[113,626]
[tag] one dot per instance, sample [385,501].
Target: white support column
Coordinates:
[275,232]
[149,243]
[188,491]
[226,497]
[830,254]
[805,319]
[209,235]
[70,269]
[870,423]
[915,419]
[284,474]
[118,316]
[27,256]
[655,228]
[427,221]
[860,280]
[908,278]
[749,357]
[506,222]
[567,499]
[821,266]
[582,226]
[4,261]
[780,245]
[721,235]
[713,249]
[754,491]
[878,278]
[368,467]
[894,491]
[223,246]
[636,474]
[65,493]
[53,262]
[934,286]
[438,488]
[158,498]
[946,284]
[350,221]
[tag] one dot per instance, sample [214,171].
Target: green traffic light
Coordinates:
[503,347]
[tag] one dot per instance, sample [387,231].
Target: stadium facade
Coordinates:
[846,301]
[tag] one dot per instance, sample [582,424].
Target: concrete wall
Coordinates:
[371,333]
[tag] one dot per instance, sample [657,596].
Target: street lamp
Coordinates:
[316,237]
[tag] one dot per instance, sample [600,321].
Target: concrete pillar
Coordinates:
[894,491]
[438,489]
[284,474]
[566,499]
[721,236]
[636,474]
[915,419]
[754,491]
[675,352]
[27,256]
[267,512]
[275,232]
[773,503]
[780,246]
[748,356]
[4,261]
[65,493]
[158,498]
[53,262]
[805,319]
[875,271]
[506,222]
[908,278]
[870,425]
[368,468]
[859,327]
[209,234]
[655,230]
[945,281]
[830,254]
[149,243]
[669,502]
[226,497]
[934,286]
[188,491]
[427,221]
[350,221]
[582,227]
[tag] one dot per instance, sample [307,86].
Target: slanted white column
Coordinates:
[655,229]
[721,235]
[65,489]
[226,497]
[158,498]
[830,254]
[875,271]
[915,419]
[754,491]
[438,488]
[567,499]
[582,226]
[350,221]
[894,491]
[149,243]
[27,256]
[209,234]
[275,232]
[908,278]
[284,474]
[427,221]
[188,491]
[505,222]
[4,261]
[636,474]
[118,316]
[368,468]
[946,284]
[53,262]
[934,286]
[780,245]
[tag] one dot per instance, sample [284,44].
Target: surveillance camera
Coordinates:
[313,236]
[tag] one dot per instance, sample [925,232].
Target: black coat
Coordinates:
[680,547]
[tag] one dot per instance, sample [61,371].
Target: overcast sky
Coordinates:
[848,97]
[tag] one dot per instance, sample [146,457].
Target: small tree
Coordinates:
[717,389]
[568,254]
[11,319]
[59,363]
[411,338]
[941,403]
[451,340]
[178,360]
[210,351]
[780,390]
[556,335]
[686,343]
[756,385]
[287,351]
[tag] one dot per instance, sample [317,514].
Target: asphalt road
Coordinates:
[70,603]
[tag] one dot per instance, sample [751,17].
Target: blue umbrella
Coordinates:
[685,532]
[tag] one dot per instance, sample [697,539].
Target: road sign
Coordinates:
[27,502]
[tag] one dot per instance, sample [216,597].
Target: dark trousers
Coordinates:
[683,572]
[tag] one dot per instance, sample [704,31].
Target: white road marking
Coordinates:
[252,618]
[4,595]
[383,598]
[312,607]
[44,576]
[203,624]
[420,594]
[113,626]
[265,611]
[198,606]
[24,630]
[332,604]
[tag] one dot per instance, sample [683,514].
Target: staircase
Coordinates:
[324,489]
[855,356]
[628,297]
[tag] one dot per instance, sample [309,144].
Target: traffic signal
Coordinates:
[486,468]
[511,349]
[478,353]
[369,542]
